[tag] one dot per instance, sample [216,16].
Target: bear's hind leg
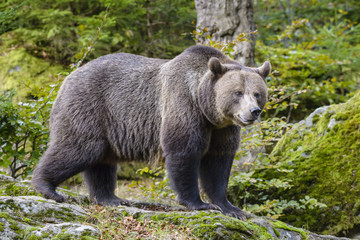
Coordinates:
[101,182]
[62,161]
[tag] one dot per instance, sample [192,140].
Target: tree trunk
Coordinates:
[226,19]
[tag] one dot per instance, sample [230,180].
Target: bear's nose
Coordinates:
[255,112]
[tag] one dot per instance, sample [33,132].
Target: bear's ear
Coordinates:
[264,70]
[215,66]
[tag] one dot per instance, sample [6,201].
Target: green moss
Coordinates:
[4,215]
[315,118]
[88,238]
[205,225]
[2,227]
[27,220]
[276,232]
[282,225]
[328,114]
[14,226]
[66,215]
[17,189]
[62,236]
[27,233]
[13,222]
[30,229]
[34,237]
[45,235]
[10,219]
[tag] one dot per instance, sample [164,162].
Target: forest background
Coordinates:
[314,48]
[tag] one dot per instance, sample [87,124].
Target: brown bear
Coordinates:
[123,107]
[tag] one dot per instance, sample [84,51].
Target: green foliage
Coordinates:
[158,187]
[7,17]
[23,131]
[59,29]
[242,187]
[242,183]
[204,37]
[320,55]
[273,16]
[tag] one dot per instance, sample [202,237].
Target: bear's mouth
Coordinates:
[239,120]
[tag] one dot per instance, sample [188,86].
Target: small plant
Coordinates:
[23,130]
[156,185]
[245,183]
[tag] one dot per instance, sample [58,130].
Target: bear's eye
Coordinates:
[257,95]
[238,93]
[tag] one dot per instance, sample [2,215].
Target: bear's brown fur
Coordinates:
[122,107]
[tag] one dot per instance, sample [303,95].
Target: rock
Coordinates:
[332,123]
[23,215]
[64,230]
[318,111]
[5,178]
[40,209]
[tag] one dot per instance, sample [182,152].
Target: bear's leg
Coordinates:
[215,169]
[101,182]
[183,175]
[62,161]
[183,148]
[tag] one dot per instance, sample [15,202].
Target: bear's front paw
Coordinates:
[236,213]
[232,211]
[205,206]
[200,206]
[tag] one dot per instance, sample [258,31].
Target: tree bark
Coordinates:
[226,19]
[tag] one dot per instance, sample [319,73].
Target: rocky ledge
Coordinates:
[26,215]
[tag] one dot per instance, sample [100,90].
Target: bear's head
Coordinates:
[230,93]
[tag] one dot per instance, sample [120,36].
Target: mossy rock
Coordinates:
[17,189]
[33,217]
[26,215]
[323,156]
[212,225]
[215,225]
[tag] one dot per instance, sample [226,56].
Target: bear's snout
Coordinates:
[240,119]
[255,112]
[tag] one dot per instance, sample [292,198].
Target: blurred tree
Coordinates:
[225,21]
